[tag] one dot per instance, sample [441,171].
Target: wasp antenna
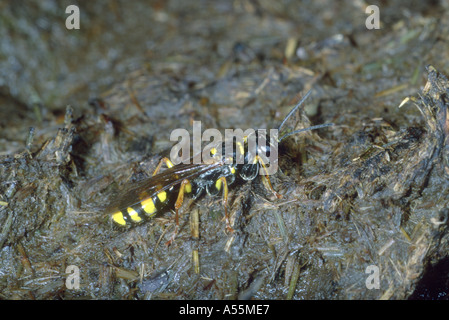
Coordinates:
[306,129]
[294,109]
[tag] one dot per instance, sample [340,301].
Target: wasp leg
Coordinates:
[225,203]
[185,187]
[167,162]
[195,233]
[259,159]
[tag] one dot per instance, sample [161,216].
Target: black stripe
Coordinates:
[126,216]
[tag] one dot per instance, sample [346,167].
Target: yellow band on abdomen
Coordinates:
[119,219]
[133,215]
[148,206]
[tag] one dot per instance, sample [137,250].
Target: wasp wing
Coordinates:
[136,192]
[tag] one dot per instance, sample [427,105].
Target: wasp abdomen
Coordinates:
[144,210]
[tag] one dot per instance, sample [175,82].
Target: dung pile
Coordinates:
[364,215]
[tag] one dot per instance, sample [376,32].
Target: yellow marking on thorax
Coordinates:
[218,184]
[118,218]
[133,215]
[188,188]
[241,148]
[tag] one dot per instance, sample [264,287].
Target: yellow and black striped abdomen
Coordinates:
[146,209]
[160,193]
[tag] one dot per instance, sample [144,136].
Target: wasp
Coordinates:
[166,190]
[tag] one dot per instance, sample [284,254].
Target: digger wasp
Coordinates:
[166,190]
